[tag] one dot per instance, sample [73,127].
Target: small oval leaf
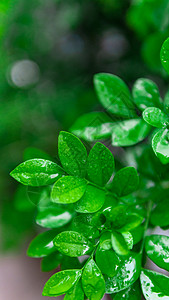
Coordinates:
[164,55]
[155,117]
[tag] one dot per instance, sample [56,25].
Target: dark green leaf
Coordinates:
[93,281]
[92,200]
[119,243]
[105,241]
[69,263]
[160,214]
[31,153]
[107,261]
[137,234]
[93,126]
[100,164]
[117,215]
[155,117]
[42,245]
[146,94]
[132,221]
[83,224]
[164,55]
[125,181]
[127,273]
[68,189]
[129,132]
[76,293]
[133,292]
[72,243]
[37,172]
[72,154]
[160,144]
[60,283]
[51,262]
[155,286]
[157,249]
[114,95]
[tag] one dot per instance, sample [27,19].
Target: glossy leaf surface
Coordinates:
[93,281]
[72,154]
[155,286]
[68,189]
[157,249]
[132,221]
[119,244]
[76,293]
[37,172]
[107,261]
[114,95]
[164,55]
[72,243]
[160,144]
[93,126]
[61,282]
[100,164]
[125,181]
[83,224]
[92,200]
[155,117]
[160,214]
[146,94]
[131,293]
[129,132]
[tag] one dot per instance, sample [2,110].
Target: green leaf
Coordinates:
[164,55]
[119,243]
[93,281]
[100,165]
[72,243]
[105,241]
[72,154]
[42,245]
[92,200]
[107,261]
[132,221]
[166,101]
[157,249]
[127,273]
[117,215]
[133,292]
[76,293]
[51,262]
[83,224]
[68,189]
[137,234]
[128,239]
[60,283]
[160,214]
[114,95]
[146,94]
[125,181]
[69,263]
[160,145]
[31,153]
[129,132]
[37,172]
[53,216]
[93,126]
[155,117]
[155,286]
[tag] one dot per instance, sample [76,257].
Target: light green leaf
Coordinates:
[160,214]
[164,55]
[68,189]
[83,224]
[132,221]
[42,245]
[133,292]
[128,239]
[146,94]
[125,181]
[105,241]
[129,132]
[51,262]
[119,243]
[72,243]
[114,95]
[157,249]
[93,126]
[155,286]
[100,164]
[155,117]
[76,293]
[107,261]
[37,172]
[60,283]
[127,273]
[93,281]
[72,154]
[160,145]
[92,200]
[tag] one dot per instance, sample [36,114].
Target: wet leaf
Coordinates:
[100,164]
[164,55]
[107,261]
[68,189]
[37,172]
[92,200]
[119,243]
[83,224]
[154,285]
[76,293]
[72,243]
[133,292]
[93,281]
[132,221]
[155,117]
[128,239]
[157,249]
[61,282]
[160,145]
[72,154]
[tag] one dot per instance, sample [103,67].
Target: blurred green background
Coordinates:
[50,50]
